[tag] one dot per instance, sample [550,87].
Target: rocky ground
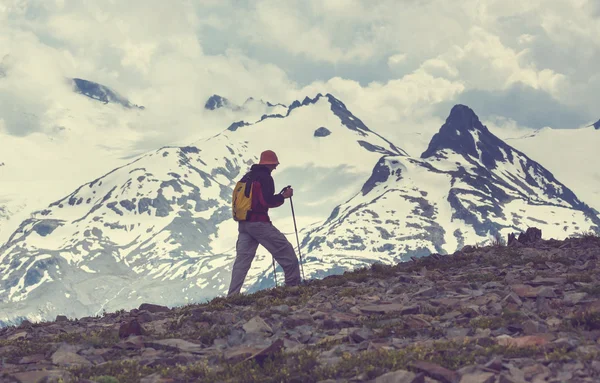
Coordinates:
[521,313]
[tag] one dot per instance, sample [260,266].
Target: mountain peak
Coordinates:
[215,101]
[464,134]
[101,93]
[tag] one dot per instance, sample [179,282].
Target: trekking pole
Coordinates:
[274,273]
[297,240]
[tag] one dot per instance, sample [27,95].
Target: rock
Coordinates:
[129,328]
[157,327]
[457,332]
[546,292]
[134,342]
[506,378]
[66,359]
[513,298]
[478,377]
[267,352]
[339,320]
[257,325]
[531,236]
[568,344]
[144,317]
[35,358]
[152,308]
[154,378]
[524,341]
[426,292]
[494,364]
[361,335]
[177,345]
[574,298]
[538,281]
[535,370]
[451,315]
[300,319]
[437,372]
[18,335]
[238,354]
[525,291]
[386,308]
[554,322]
[283,309]
[47,376]
[531,327]
[400,376]
[61,318]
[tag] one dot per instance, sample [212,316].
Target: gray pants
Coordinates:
[251,234]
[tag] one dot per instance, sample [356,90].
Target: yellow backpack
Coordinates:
[242,200]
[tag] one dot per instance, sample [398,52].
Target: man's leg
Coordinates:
[281,249]
[246,250]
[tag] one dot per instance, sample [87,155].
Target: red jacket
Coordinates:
[263,193]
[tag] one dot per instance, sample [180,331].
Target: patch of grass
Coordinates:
[585,234]
[587,320]
[123,371]
[495,322]
[19,348]
[99,338]
[497,241]
[513,316]
[305,366]
[491,323]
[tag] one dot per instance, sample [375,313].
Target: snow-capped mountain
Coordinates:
[250,111]
[159,228]
[570,154]
[86,130]
[466,187]
[100,92]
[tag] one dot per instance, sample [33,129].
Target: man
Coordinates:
[256,228]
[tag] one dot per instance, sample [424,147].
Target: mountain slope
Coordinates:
[159,228]
[571,155]
[467,187]
[478,315]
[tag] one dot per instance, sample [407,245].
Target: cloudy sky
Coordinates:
[395,63]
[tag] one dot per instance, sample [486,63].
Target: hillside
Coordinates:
[525,312]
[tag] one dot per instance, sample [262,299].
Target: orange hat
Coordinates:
[268,157]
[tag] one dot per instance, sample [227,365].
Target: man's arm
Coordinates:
[268,191]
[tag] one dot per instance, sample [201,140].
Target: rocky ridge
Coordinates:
[527,312]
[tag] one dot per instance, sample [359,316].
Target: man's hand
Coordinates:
[287,192]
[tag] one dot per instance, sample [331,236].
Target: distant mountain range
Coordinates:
[159,228]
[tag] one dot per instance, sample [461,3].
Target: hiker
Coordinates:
[253,195]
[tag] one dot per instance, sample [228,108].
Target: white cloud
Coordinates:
[397,59]
[162,55]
